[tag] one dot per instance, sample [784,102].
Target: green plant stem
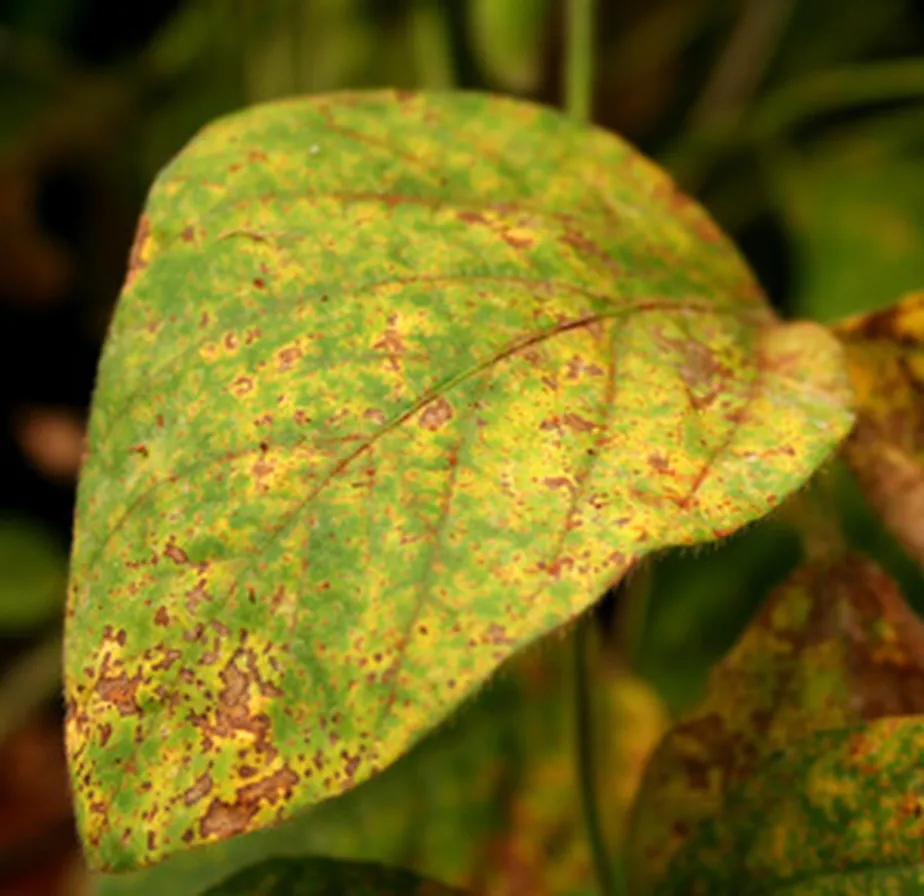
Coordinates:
[585,760]
[579,62]
[431,45]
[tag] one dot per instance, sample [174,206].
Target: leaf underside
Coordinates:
[397,384]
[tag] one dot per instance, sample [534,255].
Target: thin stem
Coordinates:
[585,760]
[738,71]
[579,61]
[431,45]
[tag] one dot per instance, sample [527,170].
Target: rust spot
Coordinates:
[197,596]
[231,342]
[556,482]
[659,463]
[161,617]
[120,691]
[577,422]
[201,789]
[105,732]
[175,553]
[136,259]
[517,242]
[436,414]
[223,820]
[242,385]
[271,789]
[189,234]
[472,217]
[375,415]
[288,357]
[168,659]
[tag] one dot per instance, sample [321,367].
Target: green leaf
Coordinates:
[855,205]
[488,798]
[508,40]
[33,575]
[397,384]
[325,877]
[799,773]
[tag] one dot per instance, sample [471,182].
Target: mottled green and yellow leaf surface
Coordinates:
[490,800]
[801,771]
[885,358]
[397,384]
[326,877]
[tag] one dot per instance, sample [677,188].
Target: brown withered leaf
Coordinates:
[885,356]
[795,774]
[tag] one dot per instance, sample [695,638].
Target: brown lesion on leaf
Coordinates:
[175,553]
[197,596]
[118,689]
[199,790]
[226,819]
[137,259]
[436,414]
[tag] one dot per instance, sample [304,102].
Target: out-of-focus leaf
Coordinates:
[33,575]
[800,773]
[701,601]
[855,205]
[508,40]
[488,802]
[885,356]
[326,877]
[380,391]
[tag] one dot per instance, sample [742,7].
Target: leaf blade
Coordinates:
[364,408]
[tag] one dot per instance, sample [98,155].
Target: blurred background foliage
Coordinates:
[800,125]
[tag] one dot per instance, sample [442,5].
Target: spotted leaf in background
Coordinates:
[800,772]
[397,384]
[885,357]
[325,877]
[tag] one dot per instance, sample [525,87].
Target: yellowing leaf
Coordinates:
[800,771]
[488,802]
[397,384]
[885,357]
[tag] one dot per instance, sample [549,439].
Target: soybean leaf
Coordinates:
[325,877]
[799,773]
[885,356]
[397,384]
[489,801]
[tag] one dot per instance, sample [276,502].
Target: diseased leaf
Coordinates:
[885,357]
[397,384]
[325,877]
[488,801]
[800,773]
